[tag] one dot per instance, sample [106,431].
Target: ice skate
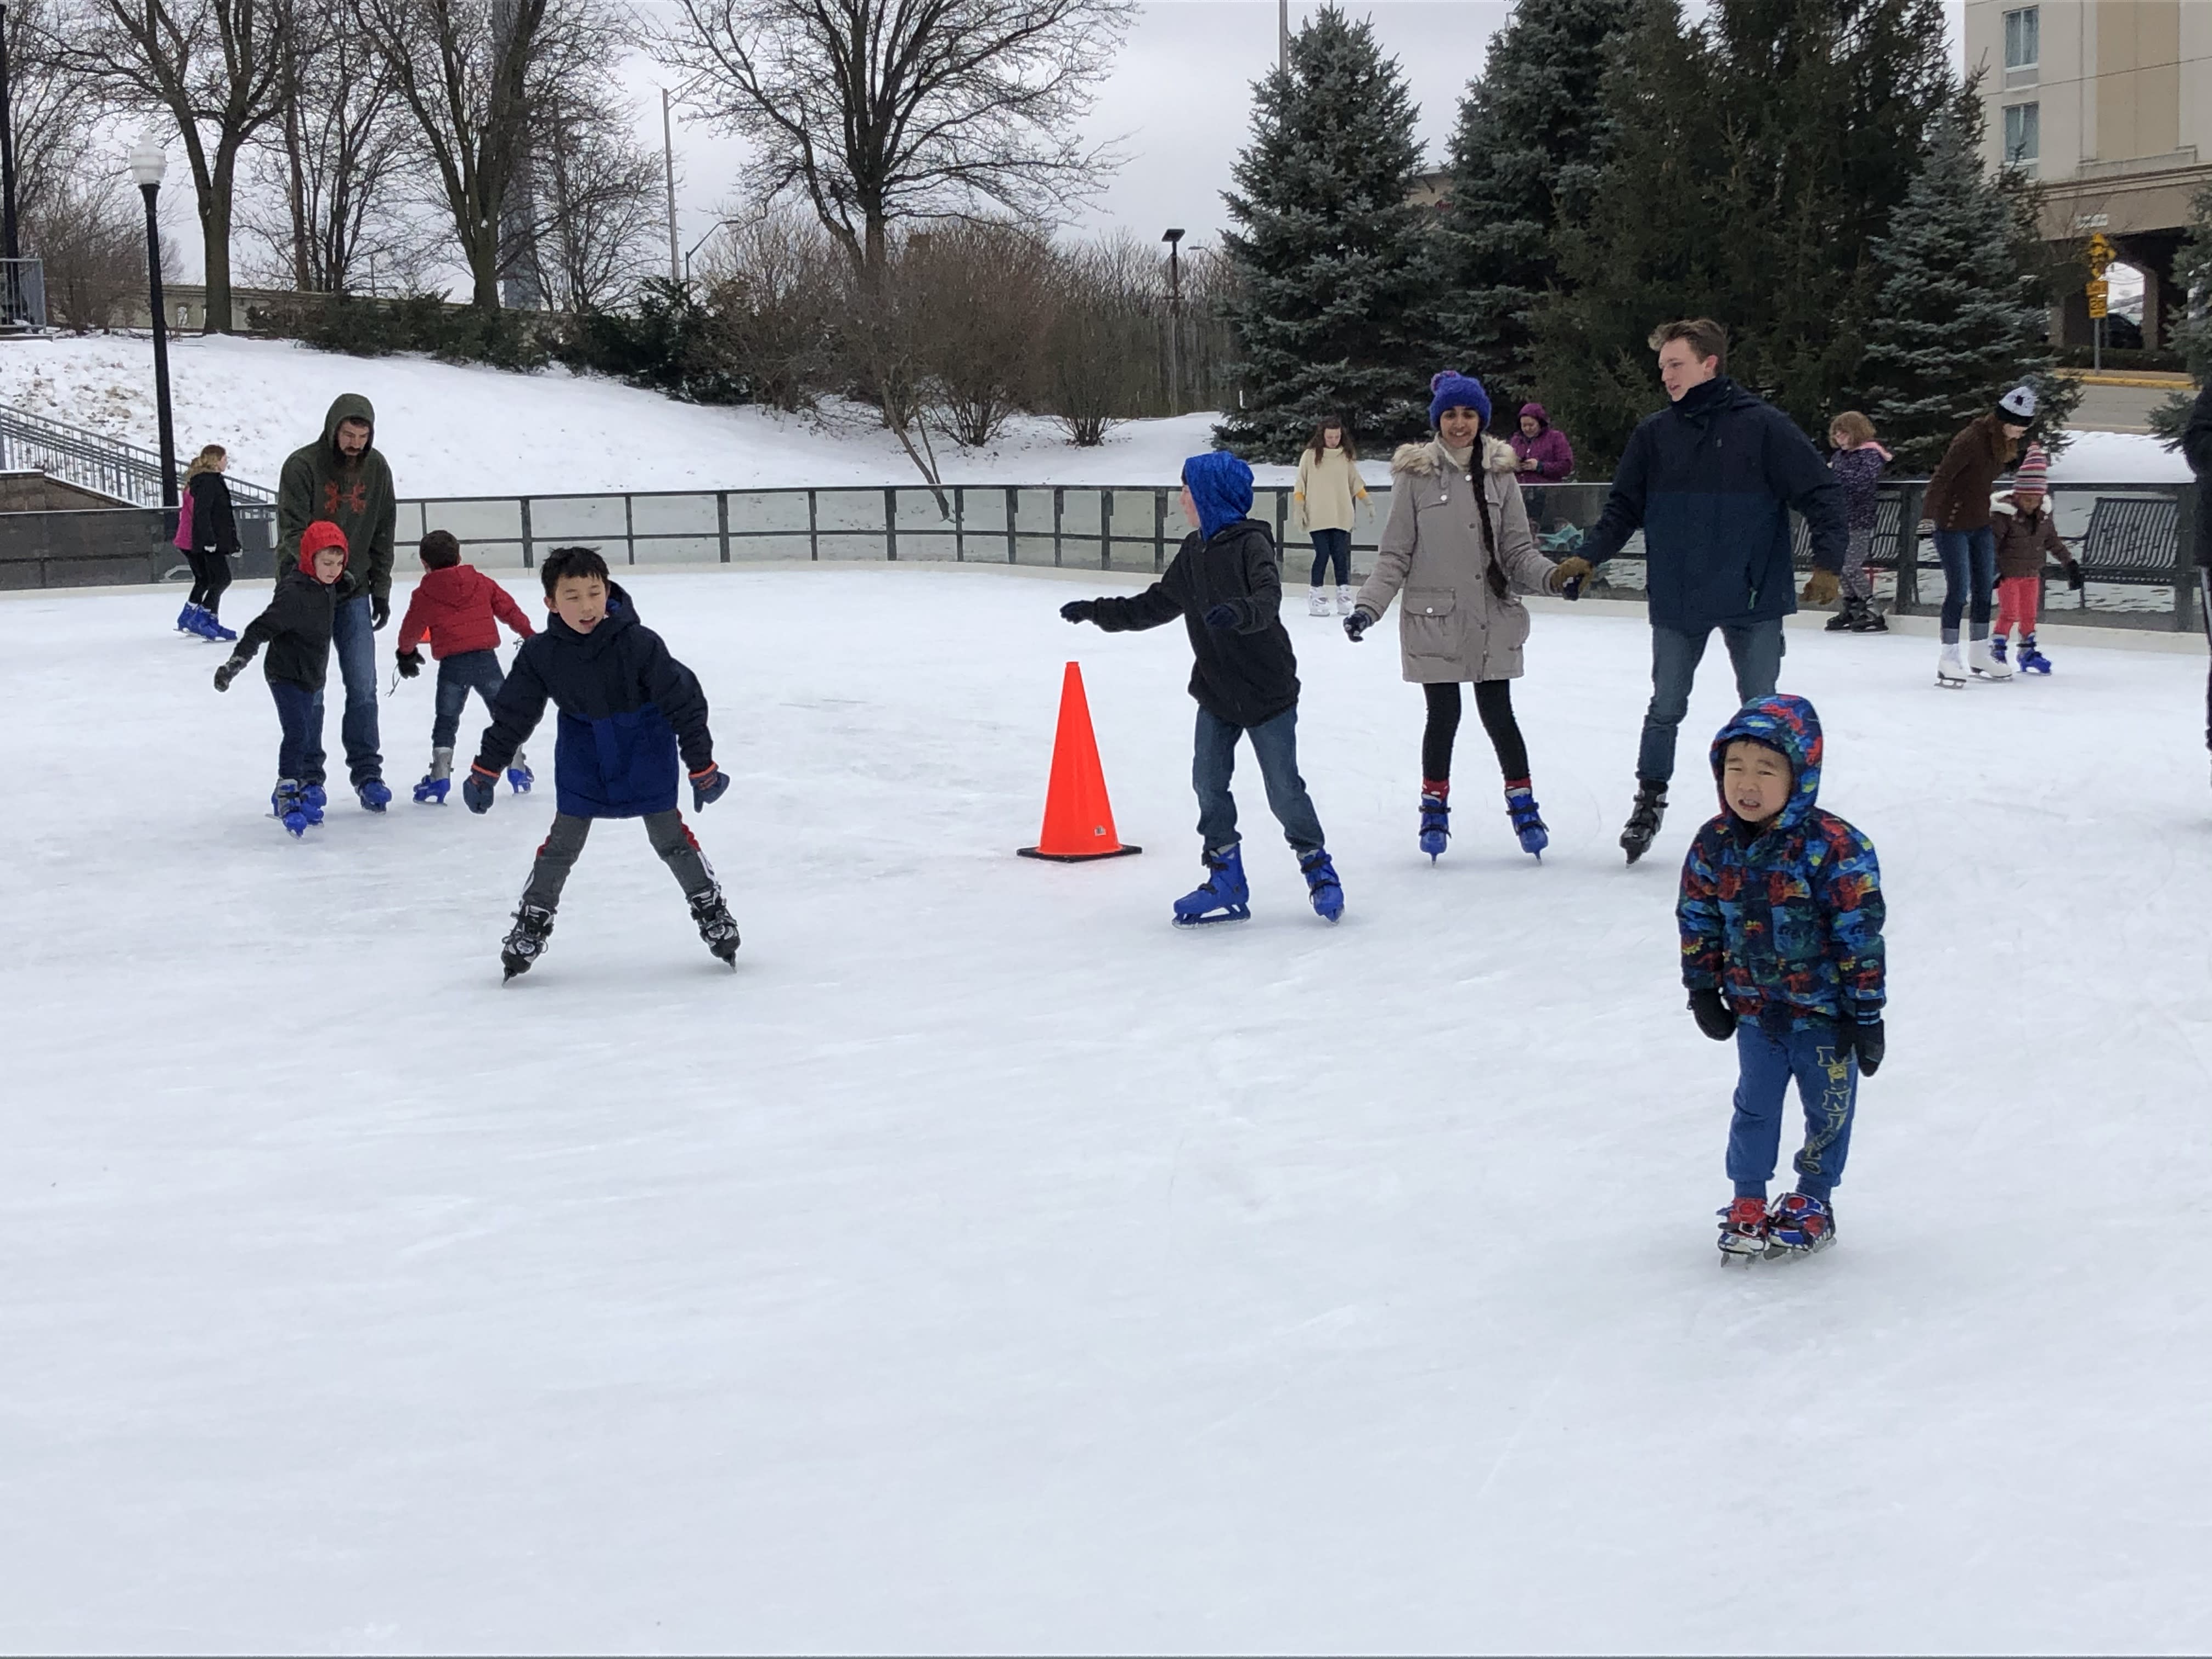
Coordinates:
[215,630]
[1841,621]
[1527,823]
[520,777]
[1997,646]
[1868,620]
[1799,1225]
[1644,820]
[284,804]
[313,800]
[1322,887]
[375,796]
[1343,601]
[1950,671]
[2030,660]
[1317,603]
[437,781]
[716,926]
[1985,664]
[185,618]
[525,940]
[1436,819]
[1743,1232]
[1223,896]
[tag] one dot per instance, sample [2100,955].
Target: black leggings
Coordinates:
[210,575]
[1493,702]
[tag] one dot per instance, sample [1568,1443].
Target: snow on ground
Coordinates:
[985,1266]
[2117,457]
[454,430]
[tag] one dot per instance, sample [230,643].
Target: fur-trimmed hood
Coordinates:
[1425,460]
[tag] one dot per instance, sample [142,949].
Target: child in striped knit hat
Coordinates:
[2025,537]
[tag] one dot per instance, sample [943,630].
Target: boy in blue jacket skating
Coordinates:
[627,707]
[1781,915]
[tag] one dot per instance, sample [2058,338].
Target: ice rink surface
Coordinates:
[985,1266]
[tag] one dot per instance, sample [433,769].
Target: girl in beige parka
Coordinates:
[1458,544]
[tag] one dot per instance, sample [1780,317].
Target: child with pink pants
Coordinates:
[2025,538]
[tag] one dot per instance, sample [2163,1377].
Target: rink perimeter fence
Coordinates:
[2136,541]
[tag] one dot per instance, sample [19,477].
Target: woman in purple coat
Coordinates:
[1542,449]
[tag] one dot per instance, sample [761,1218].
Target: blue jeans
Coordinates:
[459,675]
[1332,546]
[1275,742]
[1827,1087]
[300,714]
[1969,571]
[355,642]
[1754,649]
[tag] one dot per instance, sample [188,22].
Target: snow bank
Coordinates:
[987,1267]
[2117,457]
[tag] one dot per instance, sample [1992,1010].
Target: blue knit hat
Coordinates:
[1221,489]
[1452,390]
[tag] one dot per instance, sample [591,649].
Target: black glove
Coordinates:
[1079,610]
[228,671]
[410,663]
[1714,1016]
[708,784]
[477,789]
[2074,578]
[1867,1039]
[379,612]
[1221,616]
[1357,623]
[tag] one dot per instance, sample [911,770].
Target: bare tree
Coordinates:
[215,67]
[91,235]
[776,291]
[600,220]
[981,297]
[473,76]
[53,109]
[875,112]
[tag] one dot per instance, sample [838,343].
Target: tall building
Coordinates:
[2109,104]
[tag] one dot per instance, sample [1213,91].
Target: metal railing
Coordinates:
[23,295]
[93,460]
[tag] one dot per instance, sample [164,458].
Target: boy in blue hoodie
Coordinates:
[626,708]
[1781,916]
[1226,583]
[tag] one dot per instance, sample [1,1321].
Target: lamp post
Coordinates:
[1173,238]
[148,163]
[721,225]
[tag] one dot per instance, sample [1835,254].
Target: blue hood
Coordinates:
[1787,723]
[1221,485]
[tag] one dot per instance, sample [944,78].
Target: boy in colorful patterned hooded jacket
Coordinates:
[1781,917]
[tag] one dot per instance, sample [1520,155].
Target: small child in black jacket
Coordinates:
[296,628]
[626,709]
[1227,584]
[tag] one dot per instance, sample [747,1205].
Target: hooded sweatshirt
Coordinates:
[297,626]
[356,495]
[1553,455]
[1785,919]
[627,707]
[460,609]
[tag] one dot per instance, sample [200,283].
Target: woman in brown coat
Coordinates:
[1958,504]
[1457,544]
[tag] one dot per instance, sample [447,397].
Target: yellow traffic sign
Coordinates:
[2100,252]
[2098,292]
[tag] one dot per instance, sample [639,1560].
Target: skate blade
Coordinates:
[1237,913]
[1731,1256]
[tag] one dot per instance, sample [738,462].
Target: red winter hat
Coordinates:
[315,538]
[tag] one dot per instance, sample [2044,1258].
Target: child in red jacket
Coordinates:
[459,610]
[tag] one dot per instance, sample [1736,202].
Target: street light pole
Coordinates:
[1173,238]
[8,248]
[668,172]
[147,164]
[1283,36]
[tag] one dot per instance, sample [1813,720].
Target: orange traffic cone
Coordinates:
[1078,819]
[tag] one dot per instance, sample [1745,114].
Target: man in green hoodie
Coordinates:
[342,478]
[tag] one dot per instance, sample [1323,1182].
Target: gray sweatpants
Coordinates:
[1857,584]
[564,844]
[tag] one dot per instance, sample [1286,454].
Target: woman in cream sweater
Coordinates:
[1329,492]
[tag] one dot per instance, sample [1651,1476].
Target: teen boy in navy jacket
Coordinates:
[627,707]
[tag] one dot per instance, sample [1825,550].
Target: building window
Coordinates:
[2023,38]
[2023,135]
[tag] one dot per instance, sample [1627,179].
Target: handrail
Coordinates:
[111,466]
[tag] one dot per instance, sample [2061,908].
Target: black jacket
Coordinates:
[1246,673]
[2196,444]
[296,628]
[1710,480]
[627,707]
[215,526]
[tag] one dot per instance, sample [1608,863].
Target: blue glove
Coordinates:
[708,784]
[1222,616]
[477,788]
[1356,624]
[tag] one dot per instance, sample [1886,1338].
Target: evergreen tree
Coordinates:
[1756,158]
[2192,337]
[1327,300]
[1958,318]
[1526,161]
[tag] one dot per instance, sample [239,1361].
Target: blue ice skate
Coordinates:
[284,803]
[2030,660]
[1997,644]
[187,618]
[520,777]
[1527,823]
[374,796]
[211,628]
[431,792]
[1322,887]
[1799,1225]
[1436,822]
[313,800]
[1223,897]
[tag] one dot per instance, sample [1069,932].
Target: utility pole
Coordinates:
[1283,36]
[668,166]
[8,248]
[1173,238]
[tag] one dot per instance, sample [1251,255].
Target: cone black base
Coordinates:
[1075,858]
